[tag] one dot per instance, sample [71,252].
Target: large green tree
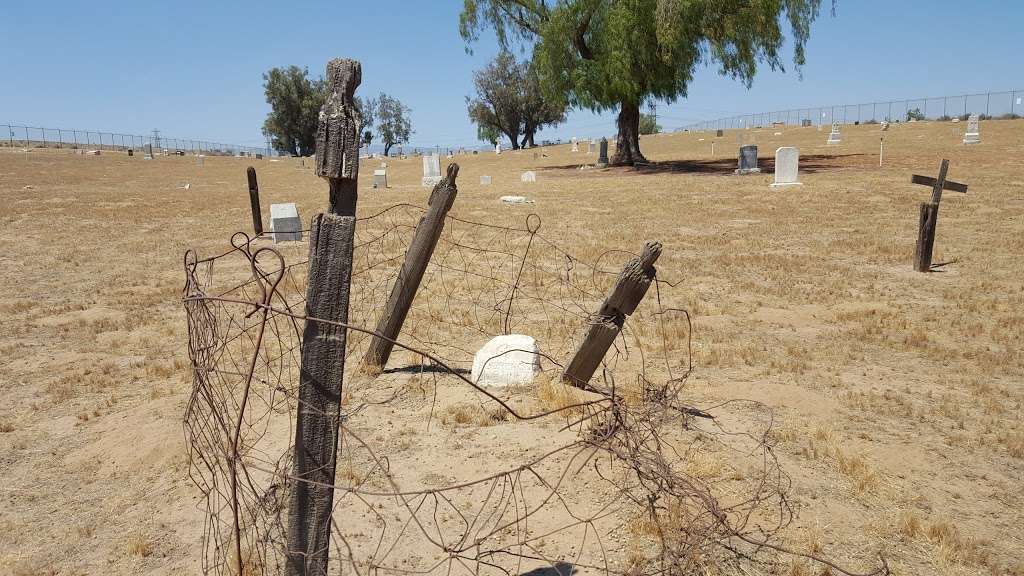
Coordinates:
[393,123]
[295,100]
[608,54]
[509,100]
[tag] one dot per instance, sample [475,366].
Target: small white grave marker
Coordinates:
[485,180]
[528,176]
[431,171]
[510,360]
[515,200]
[834,137]
[380,178]
[972,136]
[285,224]
[787,167]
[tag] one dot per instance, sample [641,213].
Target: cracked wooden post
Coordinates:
[323,345]
[254,201]
[625,296]
[428,231]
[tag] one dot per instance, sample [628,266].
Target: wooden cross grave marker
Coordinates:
[930,214]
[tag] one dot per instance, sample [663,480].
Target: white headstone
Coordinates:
[591,147]
[497,148]
[575,145]
[834,137]
[431,170]
[972,136]
[528,176]
[380,178]
[510,360]
[285,224]
[485,180]
[787,167]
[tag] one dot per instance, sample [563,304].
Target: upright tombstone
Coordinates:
[497,148]
[431,171]
[285,223]
[748,160]
[787,167]
[590,146]
[805,123]
[380,178]
[972,136]
[528,176]
[834,137]
[131,152]
[318,420]
[149,152]
[485,180]
[575,145]
[885,125]
[719,133]
[602,157]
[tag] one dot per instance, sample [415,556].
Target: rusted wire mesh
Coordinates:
[436,475]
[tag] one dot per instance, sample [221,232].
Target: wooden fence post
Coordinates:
[311,499]
[926,236]
[254,201]
[428,231]
[629,289]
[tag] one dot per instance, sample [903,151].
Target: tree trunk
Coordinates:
[514,139]
[627,143]
[387,148]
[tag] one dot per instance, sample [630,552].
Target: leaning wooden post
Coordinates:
[625,296]
[254,201]
[428,231]
[323,342]
[929,218]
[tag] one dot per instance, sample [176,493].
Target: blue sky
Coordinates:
[194,69]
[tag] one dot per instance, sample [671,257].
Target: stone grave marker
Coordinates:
[485,180]
[575,145]
[834,137]
[515,200]
[285,224]
[590,146]
[806,122]
[719,133]
[748,160]
[497,148]
[380,178]
[509,360]
[528,176]
[787,167]
[431,171]
[972,136]
[149,152]
[602,158]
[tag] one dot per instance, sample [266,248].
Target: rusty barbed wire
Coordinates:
[635,480]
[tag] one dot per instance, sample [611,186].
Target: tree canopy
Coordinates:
[509,101]
[649,124]
[393,123]
[295,102]
[605,54]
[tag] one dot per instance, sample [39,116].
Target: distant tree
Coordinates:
[606,54]
[915,114]
[295,102]
[367,109]
[509,100]
[649,125]
[488,134]
[393,123]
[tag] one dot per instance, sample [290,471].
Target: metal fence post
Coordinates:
[988,100]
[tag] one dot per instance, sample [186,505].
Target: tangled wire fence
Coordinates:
[437,475]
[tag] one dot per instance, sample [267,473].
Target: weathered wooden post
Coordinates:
[323,344]
[626,294]
[254,201]
[929,218]
[428,231]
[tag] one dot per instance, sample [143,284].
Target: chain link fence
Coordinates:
[15,135]
[994,105]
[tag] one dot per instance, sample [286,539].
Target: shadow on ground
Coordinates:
[558,569]
[809,164]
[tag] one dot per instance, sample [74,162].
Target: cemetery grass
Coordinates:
[897,395]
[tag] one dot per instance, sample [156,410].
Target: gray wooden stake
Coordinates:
[323,343]
[625,296]
[254,201]
[428,231]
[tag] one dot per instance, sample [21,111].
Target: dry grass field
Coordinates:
[898,396]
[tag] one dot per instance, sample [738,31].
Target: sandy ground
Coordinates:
[899,395]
